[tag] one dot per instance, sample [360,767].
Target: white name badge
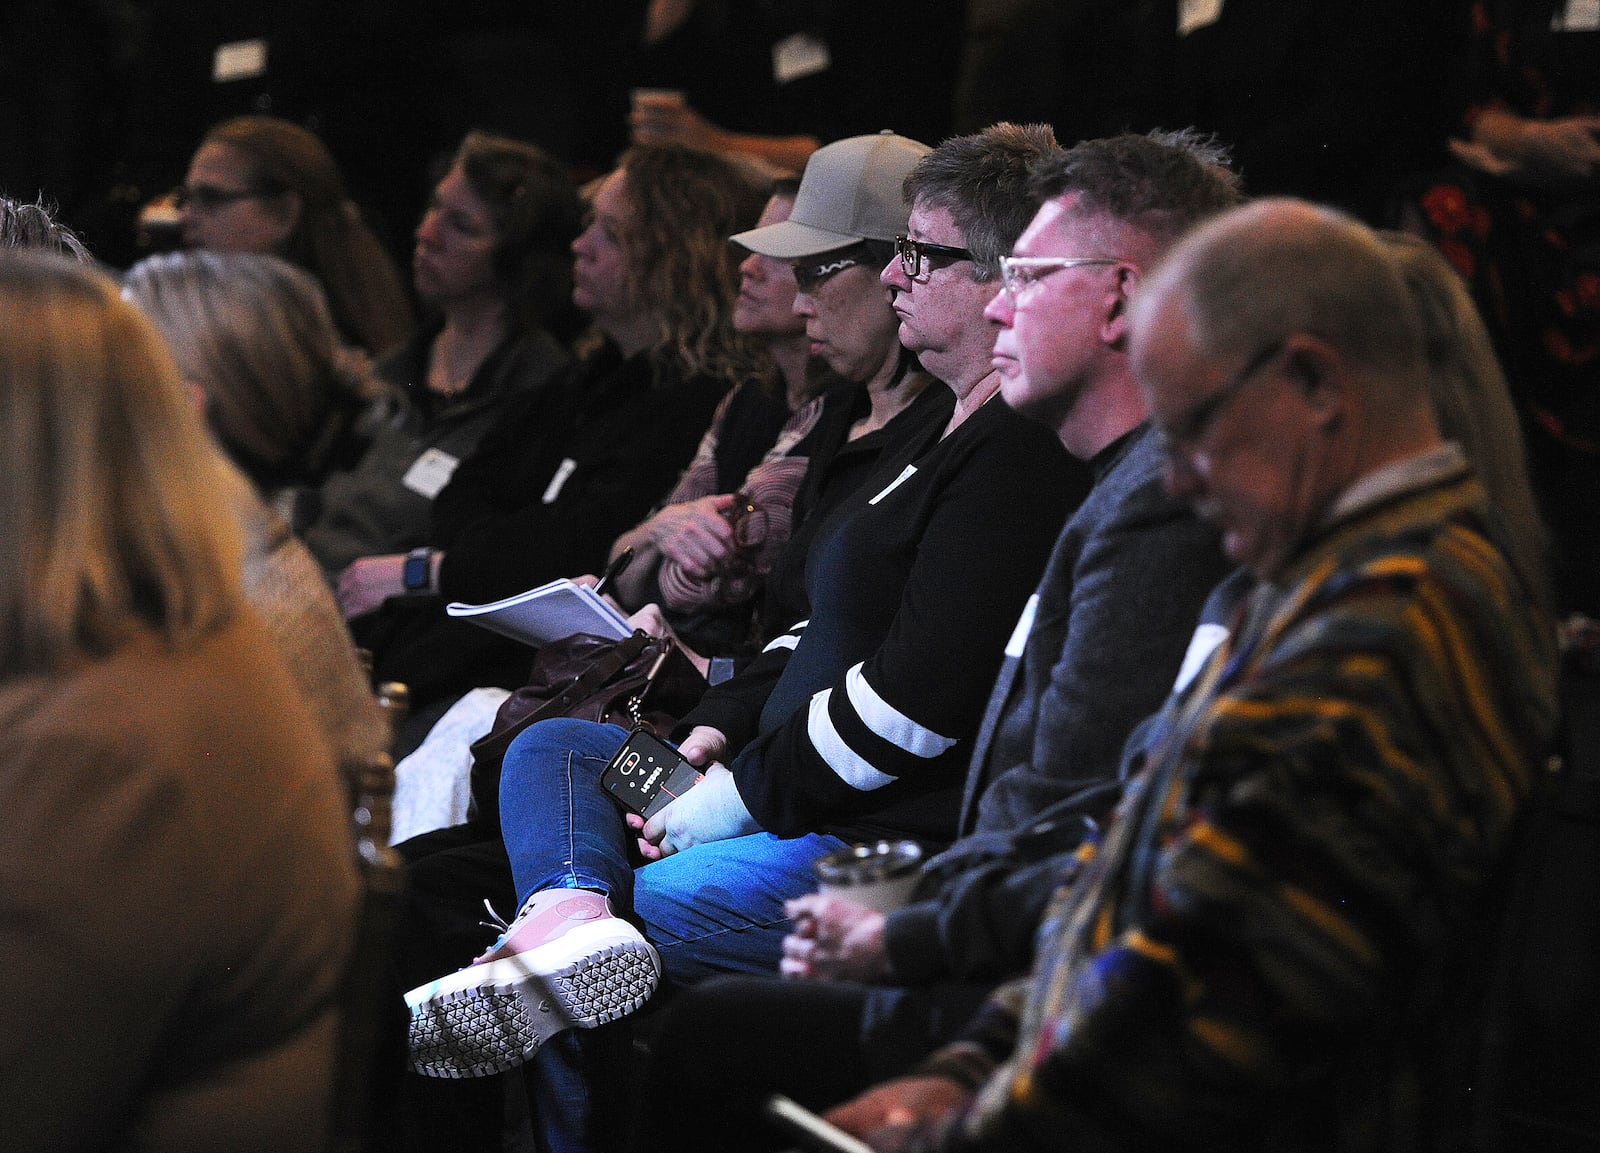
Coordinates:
[553,489]
[1580,16]
[430,472]
[1193,14]
[1019,635]
[241,60]
[909,472]
[799,56]
[1204,642]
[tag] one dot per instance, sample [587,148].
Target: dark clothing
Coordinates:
[859,722]
[564,472]
[380,505]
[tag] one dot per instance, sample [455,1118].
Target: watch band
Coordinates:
[417,575]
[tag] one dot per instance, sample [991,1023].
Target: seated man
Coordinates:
[1259,951]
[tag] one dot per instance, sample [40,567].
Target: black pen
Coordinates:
[614,569]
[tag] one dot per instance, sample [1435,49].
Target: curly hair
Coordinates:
[331,240]
[537,214]
[682,265]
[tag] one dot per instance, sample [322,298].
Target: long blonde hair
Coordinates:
[110,501]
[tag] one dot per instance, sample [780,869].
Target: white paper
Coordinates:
[563,471]
[240,60]
[799,56]
[430,472]
[909,472]
[1580,16]
[547,613]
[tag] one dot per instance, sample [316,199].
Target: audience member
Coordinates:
[855,724]
[1260,949]
[705,553]
[493,267]
[1095,651]
[35,226]
[252,334]
[1473,402]
[177,891]
[568,467]
[1519,217]
[262,184]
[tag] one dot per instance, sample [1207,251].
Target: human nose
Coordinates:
[804,305]
[428,228]
[580,246]
[1001,309]
[751,267]
[894,275]
[1178,473]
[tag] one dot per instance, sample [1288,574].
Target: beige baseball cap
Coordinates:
[851,191]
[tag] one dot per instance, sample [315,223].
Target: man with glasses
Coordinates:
[1264,950]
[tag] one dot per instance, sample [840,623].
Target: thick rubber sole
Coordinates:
[491,1017]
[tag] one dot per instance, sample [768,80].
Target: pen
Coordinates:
[614,569]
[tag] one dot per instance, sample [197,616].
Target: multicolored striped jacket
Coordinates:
[1257,955]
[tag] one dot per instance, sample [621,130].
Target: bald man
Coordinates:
[1258,953]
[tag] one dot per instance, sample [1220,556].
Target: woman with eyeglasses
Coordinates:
[262,184]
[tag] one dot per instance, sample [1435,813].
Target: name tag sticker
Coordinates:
[553,489]
[1019,635]
[799,56]
[909,472]
[1204,642]
[1580,16]
[241,60]
[430,472]
[1196,14]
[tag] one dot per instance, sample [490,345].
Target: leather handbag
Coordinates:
[641,680]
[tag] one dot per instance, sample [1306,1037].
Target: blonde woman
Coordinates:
[176,880]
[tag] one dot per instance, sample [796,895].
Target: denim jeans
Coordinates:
[713,908]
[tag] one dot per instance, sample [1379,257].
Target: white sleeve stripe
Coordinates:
[841,758]
[889,722]
[787,641]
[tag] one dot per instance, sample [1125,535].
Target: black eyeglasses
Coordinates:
[810,273]
[912,252]
[209,198]
[1183,434]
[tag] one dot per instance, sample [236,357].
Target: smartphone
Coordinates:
[813,1134]
[647,774]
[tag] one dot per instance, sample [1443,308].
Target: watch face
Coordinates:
[415,573]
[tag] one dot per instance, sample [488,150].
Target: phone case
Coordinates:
[647,774]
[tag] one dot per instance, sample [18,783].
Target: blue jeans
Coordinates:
[713,908]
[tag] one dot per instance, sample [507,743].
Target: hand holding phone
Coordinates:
[647,774]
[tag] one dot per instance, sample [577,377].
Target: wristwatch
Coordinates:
[417,575]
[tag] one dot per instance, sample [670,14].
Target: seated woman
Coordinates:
[705,556]
[263,184]
[253,334]
[856,723]
[493,269]
[177,887]
[569,467]
[252,339]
